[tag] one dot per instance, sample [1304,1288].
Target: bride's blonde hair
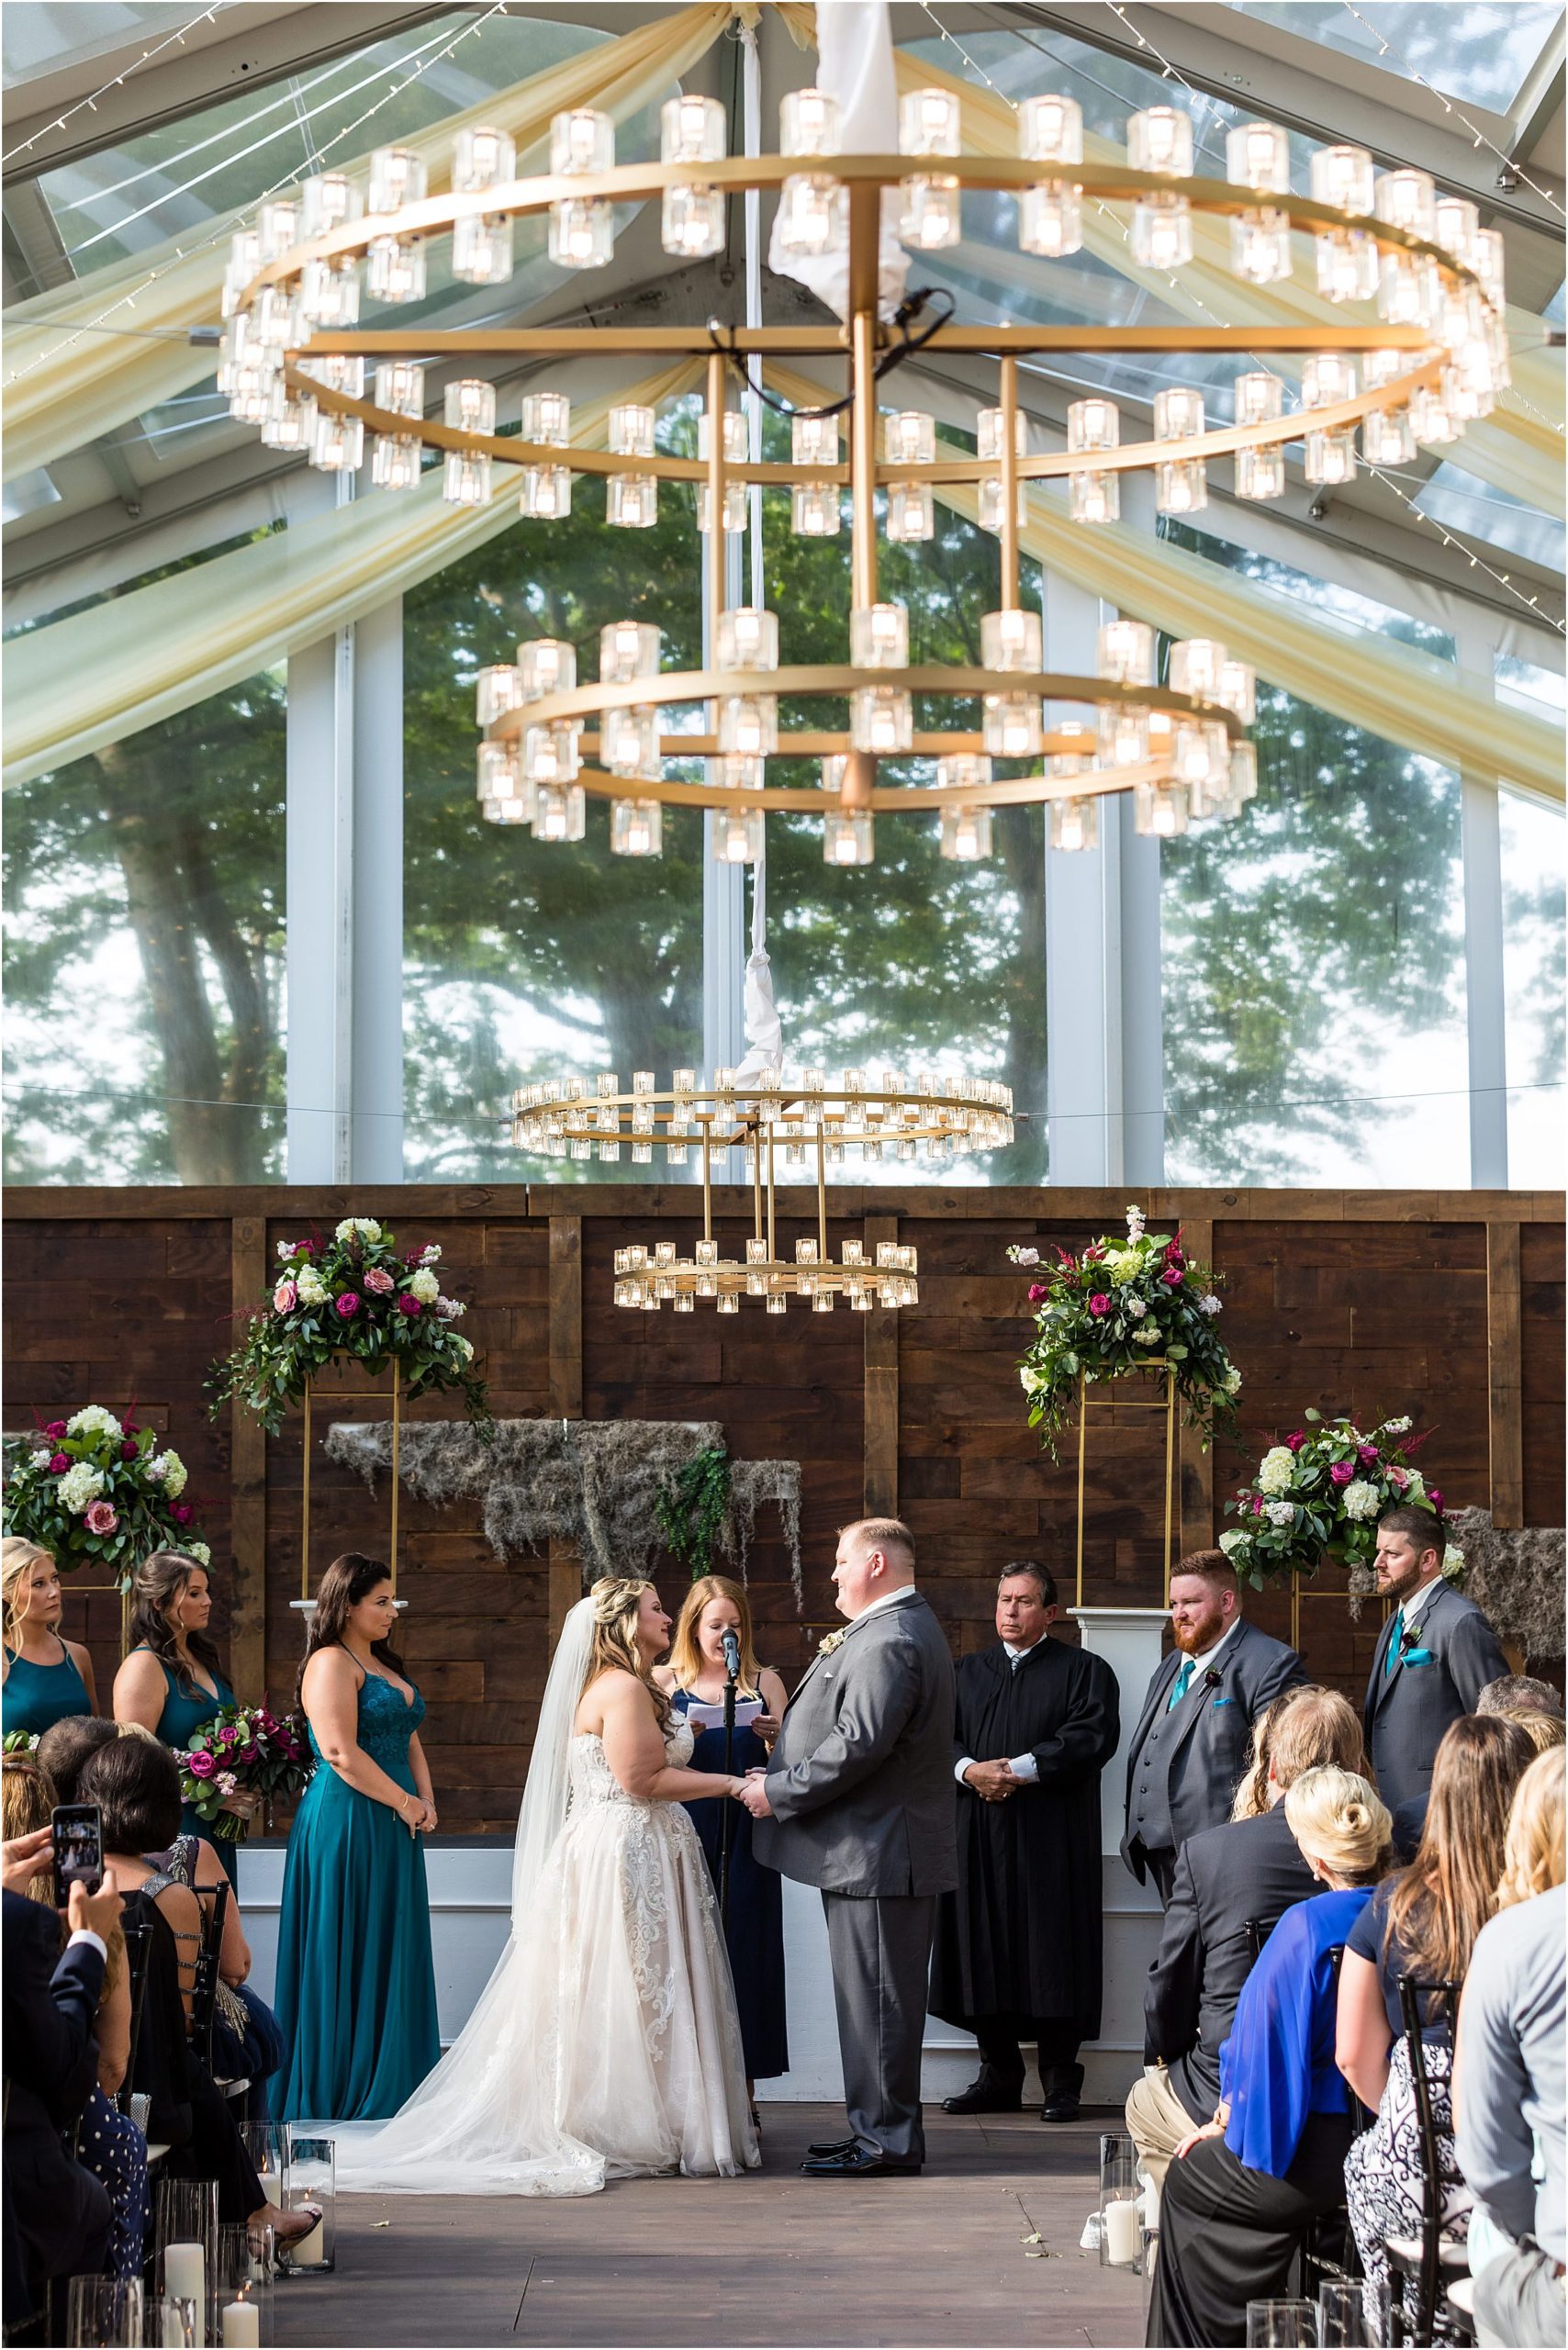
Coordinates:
[616,1600]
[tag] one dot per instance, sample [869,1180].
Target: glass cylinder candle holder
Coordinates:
[397,177]
[813,440]
[104,2313]
[1487,259]
[516,808]
[180,2320]
[1236,690]
[1258,154]
[1078,759]
[965,834]
[499,777]
[928,123]
[394,269]
[1260,472]
[882,720]
[1012,639]
[1011,726]
[1124,732]
[560,815]
[496,689]
[1260,246]
[400,387]
[327,201]
[747,638]
[1430,422]
[470,405]
[1094,496]
[288,419]
[627,650]
[1180,487]
[636,828]
[482,247]
[929,215]
[1388,437]
[1162,232]
[329,293]
[1124,653]
[1075,823]
[909,438]
[337,442]
[748,723]
[1408,290]
[850,838]
[1406,199]
[1159,810]
[546,495]
[582,139]
[581,233]
[629,739]
[244,261]
[691,217]
[738,834]
[277,228]
[1050,129]
[1329,458]
[810,122]
[631,429]
[1194,667]
[1260,397]
[963,771]
[185,2239]
[1342,175]
[551,752]
[1199,753]
[692,131]
[1327,377]
[1178,413]
[1243,773]
[632,500]
[546,665]
[814,215]
[1347,265]
[1092,424]
[1050,219]
[1159,139]
[879,637]
[466,479]
[814,510]
[482,158]
[547,417]
[739,771]
[1455,221]
[242,2292]
[910,512]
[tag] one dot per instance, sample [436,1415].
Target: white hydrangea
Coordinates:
[465,1346]
[172,1474]
[1146,1334]
[42,1459]
[1233,1380]
[1209,1304]
[286,1250]
[365,1226]
[1028,1377]
[1276,1472]
[1234,1542]
[1122,1267]
[199,1553]
[424,1286]
[1280,1513]
[1453,1562]
[1415,1486]
[92,1421]
[1359,1499]
[310,1288]
[1137,1308]
[81,1483]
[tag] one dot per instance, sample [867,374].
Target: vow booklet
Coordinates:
[702,1716]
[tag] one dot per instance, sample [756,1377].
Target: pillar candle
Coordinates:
[242,2326]
[306,2250]
[1122,2233]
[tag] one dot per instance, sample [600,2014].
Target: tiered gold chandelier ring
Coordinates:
[886,799]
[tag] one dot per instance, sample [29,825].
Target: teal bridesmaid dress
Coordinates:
[185,1712]
[356,1978]
[36,1696]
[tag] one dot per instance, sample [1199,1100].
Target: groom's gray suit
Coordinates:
[860,1782]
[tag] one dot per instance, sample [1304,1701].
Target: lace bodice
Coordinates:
[593,1781]
[386,1722]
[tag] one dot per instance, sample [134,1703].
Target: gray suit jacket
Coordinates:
[1449,1655]
[1183,1768]
[861,1778]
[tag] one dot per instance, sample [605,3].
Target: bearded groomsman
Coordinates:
[1434,1657]
[1195,1734]
[1018,1945]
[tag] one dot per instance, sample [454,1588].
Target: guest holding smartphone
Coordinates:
[44,1677]
[695,1681]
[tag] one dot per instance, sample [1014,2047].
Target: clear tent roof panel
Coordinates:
[1479,51]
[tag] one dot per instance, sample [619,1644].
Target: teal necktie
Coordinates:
[1396,1633]
[1182,1683]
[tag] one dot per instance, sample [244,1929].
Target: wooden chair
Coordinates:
[1423,2259]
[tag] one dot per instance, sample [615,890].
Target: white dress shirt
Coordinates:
[1414,1605]
[1024,1767]
[1202,1661]
[883,1599]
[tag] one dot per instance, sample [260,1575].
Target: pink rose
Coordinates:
[1296,1439]
[285,1297]
[1099,1304]
[1367,1455]
[230,1734]
[1342,1472]
[346,1306]
[247,1754]
[1093,1256]
[101,1517]
[378,1279]
[182,1513]
[129,1452]
[1398,1477]
[1174,1275]
[59,1463]
[201,1765]
[406,1304]
[1257,1505]
[56,1429]
[1037,1290]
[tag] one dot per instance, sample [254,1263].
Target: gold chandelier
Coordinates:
[293,363]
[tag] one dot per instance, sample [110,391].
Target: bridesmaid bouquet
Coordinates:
[245,1757]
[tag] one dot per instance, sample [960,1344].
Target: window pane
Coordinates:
[1481,52]
[144,955]
[1534,935]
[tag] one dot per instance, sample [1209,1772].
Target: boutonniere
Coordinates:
[832,1640]
[1213,1677]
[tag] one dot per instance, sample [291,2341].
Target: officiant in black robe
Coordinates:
[1018,1953]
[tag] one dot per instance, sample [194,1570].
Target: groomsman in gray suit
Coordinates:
[1195,1734]
[1435,1655]
[857,1799]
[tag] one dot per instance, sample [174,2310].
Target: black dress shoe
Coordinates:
[979,2099]
[854,2161]
[833,2146]
[1063,2106]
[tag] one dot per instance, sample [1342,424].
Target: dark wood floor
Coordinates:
[772,2258]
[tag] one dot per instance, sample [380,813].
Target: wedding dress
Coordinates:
[606,2044]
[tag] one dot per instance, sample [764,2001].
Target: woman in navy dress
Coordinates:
[694,1681]
[45,1677]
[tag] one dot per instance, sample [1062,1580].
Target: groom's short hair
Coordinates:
[889,1534]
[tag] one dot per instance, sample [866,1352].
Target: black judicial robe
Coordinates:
[1022,1935]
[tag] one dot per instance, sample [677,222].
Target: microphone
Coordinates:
[732,1647]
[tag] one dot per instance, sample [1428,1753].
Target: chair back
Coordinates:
[1418,2001]
[204,2004]
[1258,1931]
[138,1936]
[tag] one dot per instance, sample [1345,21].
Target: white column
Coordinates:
[316,785]
[376,1041]
[1142,1004]
[1480,833]
[1083,922]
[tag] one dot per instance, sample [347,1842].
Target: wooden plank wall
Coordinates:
[1450,1306]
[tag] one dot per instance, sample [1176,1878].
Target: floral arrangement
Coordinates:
[94,1490]
[1320,1496]
[1120,1306]
[351,1295]
[20,1742]
[246,1756]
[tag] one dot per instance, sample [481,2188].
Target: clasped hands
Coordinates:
[994,1782]
[752,1792]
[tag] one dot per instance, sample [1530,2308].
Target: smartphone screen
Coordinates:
[78,1849]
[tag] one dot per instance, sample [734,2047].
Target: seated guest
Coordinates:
[1243,2188]
[109,2142]
[1519,1697]
[136,1785]
[1188,1751]
[1246,1872]
[1520,1692]
[1508,2075]
[63,1750]
[58,2216]
[1423,1923]
[1434,1656]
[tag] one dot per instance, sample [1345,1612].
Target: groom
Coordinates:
[857,1798]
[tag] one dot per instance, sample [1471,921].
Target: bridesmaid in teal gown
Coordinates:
[356,1978]
[45,1677]
[170,1681]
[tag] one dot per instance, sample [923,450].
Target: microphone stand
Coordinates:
[724,1808]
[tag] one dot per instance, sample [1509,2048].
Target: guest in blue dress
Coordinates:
[170,1681]
[1242,2190]
[355,1991]
[45,1677]
[694,1681]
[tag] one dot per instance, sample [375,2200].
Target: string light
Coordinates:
[1479,138]
[86,106]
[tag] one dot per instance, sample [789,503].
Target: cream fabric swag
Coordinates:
[62,390]
[140,657]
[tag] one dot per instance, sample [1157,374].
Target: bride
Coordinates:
[606,2044]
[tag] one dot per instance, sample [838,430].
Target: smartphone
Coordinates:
[78,1849]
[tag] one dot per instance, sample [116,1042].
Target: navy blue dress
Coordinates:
[754,1930]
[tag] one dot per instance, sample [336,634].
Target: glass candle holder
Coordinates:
[1406,199]
[400,387]
[560,813]
[1162,232]
[1342,175]
[632,500]
[748,723]
[1050,219]
[747,638]
[499,777]
[1094,496]
[1075,823]
[813,440]
[1011,726]
[1123,729]
[550,754]
[928,123]
[814,510]
[910,512]
[581,233]
[482,158]
[289,421]
[185,2239]
[1329,458]
[636,827]
[181,2320]
[814,215]
[629,739]
[691,220]
[496,689]
[848,838]
[965,834]
[1050,129]
[909,437]
[810,123]
[278,228]
[1346,265]
[546,665]
[312,2184]
[482,247]
[327,201]
[1092,424]
[628,649]
[104,2313]
[882,720]
[1258,154]
[879,637]
[394,269]
[1327,377]
[738,834]
[1012,639]
[631,429]
[1124,653]
[1159,139]
[582,141]
[547,416]
[963,771]
[397,177]
[1281,2325]
[1194,667]
[1409,291]
[1159,812]
[242,2294]
[929,217]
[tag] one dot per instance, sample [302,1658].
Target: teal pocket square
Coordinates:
[1223,1701]
[1418,1656]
